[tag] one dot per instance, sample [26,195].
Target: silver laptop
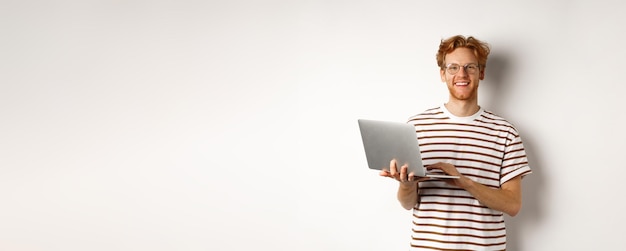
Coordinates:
[385,140]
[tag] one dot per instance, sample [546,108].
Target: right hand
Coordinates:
[401,174]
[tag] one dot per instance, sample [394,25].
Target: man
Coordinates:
[461,138]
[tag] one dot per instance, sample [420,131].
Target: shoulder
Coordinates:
[497,121]
[428,114]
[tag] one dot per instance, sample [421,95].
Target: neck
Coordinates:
[462,108]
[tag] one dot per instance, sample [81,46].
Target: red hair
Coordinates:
[481,49]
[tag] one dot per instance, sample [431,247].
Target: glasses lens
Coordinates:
[469,68]
[453,68]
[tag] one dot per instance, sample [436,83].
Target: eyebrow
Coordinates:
[461,64]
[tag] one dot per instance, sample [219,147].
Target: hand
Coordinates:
[401,175]
[448,169]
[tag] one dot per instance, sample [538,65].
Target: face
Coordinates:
[462,86]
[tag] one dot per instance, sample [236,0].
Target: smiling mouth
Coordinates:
[461,83]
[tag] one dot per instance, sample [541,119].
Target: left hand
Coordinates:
[448,169]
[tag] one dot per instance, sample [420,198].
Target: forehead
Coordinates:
[461,56]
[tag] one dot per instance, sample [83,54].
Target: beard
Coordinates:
[463,94]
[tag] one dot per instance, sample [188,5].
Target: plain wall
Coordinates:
[231,125]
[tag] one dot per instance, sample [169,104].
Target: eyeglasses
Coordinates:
[469,68]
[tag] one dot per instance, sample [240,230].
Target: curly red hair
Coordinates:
[480,48]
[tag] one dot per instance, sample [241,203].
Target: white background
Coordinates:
[231,125]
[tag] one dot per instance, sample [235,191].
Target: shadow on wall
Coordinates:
[498,74]
[532,187]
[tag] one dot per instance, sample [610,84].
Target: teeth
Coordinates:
[462,83]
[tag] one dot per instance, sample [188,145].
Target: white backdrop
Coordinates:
[231,125]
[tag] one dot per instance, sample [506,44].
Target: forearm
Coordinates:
[407,195]
[506,200]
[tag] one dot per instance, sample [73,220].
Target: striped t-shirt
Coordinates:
[483,147]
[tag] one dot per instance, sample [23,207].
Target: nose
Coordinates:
[462,71]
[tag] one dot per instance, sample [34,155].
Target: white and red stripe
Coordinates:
[484,147]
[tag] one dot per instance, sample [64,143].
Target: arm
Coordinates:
[407,195]
[407,189]
[507,199]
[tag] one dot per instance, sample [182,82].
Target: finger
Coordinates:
[384,173]
[434,166]
[392,167]
[403,170]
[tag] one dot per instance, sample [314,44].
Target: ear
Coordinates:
[481,75]
[442,73]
